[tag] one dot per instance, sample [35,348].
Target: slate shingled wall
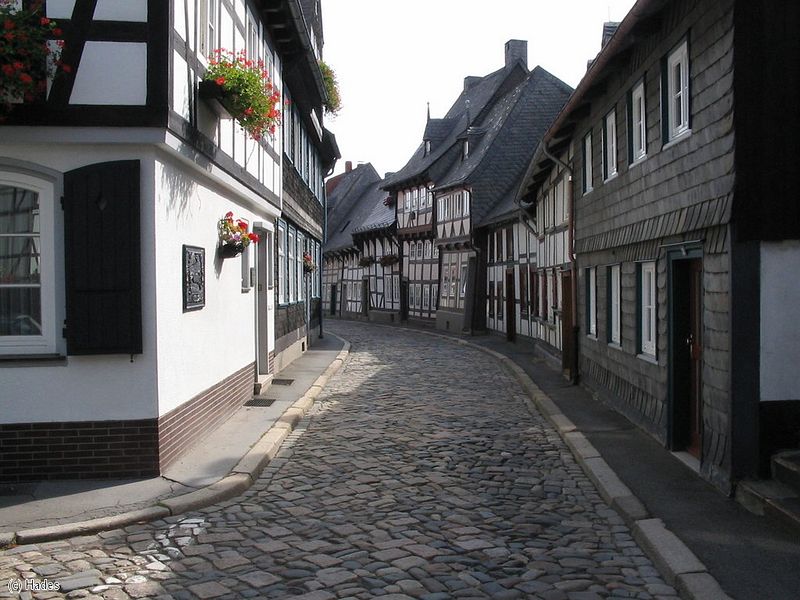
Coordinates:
[680,192]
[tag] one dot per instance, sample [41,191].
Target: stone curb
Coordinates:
[681,568]
[241,477]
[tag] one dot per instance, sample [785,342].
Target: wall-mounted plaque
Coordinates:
[194,278]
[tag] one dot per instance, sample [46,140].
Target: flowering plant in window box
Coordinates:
[308,263]
[387,260]
[243,87]
[30,52]
[234,236]
[366,261]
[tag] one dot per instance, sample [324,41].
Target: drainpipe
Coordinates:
[573,368]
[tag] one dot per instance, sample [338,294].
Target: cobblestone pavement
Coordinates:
[419,474]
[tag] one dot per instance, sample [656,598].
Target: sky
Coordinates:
[392,58]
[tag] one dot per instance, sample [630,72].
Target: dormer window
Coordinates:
[465,151]
[427,147]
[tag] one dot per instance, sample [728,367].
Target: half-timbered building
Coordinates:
[349,206]
[443,146]
[380,255]
[485,247]
[122,325]
[681,156]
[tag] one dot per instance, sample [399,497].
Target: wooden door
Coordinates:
[333,299]
[694,343]
[511,306]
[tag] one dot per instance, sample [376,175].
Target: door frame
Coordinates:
[264,287]
[675,434]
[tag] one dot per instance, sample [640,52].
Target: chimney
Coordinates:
[516,50]
[471,81]
[348,166]
[609,29]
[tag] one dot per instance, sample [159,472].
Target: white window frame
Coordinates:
[591,301]
[638,137]
[420,250]
[301,287]
[463,280]
[610,145]
[396,288]
[678,92]
[587,163]
[290,265]
[426,296]
[45,343]
[282,279]
[648,308]
[428,249]
[407,200]
[209,26]
[614,313]
[417,295]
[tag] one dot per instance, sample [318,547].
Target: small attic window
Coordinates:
[427,147]
[465,154]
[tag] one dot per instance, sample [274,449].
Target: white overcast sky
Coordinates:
[392,57]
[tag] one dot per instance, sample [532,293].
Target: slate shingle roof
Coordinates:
[469,109]
[501,149]
[346,211]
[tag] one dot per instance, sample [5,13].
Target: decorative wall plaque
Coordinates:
[194,278]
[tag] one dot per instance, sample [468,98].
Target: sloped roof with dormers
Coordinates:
[501,149]
[469,109]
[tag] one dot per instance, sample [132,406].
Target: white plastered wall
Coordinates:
[87,387]
[780,328]
[197,349]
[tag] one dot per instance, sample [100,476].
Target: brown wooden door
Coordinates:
[511,306]
[694,344]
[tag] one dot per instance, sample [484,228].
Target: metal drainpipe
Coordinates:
[573,261]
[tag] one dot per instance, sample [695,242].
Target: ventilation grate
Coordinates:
[260,402]
[282,381]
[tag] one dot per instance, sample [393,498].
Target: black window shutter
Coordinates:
[102,259]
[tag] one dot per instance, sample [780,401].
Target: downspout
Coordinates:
[573,368]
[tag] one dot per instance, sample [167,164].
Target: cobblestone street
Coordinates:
[420,473]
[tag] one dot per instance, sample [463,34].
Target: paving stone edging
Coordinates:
[679,565]
[241,477]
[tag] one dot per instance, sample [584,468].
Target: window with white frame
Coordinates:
[27,265]
[647,308]
[417,295]
[435,296]
[301,288]
[426,296]
[613,281]
[283,280]
[209,26]
[463,280]
[407,200]
[637,134]
[587,163]
[610,145]
[396,288]
[420,251]
[428,248]
[676,84]
[415,199]
[465,199]
[290,267]
[435,251]
[591,301]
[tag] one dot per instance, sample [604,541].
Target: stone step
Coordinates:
[772,499]
[786,469]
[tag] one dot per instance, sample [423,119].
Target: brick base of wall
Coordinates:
[117,449]
[81,450]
